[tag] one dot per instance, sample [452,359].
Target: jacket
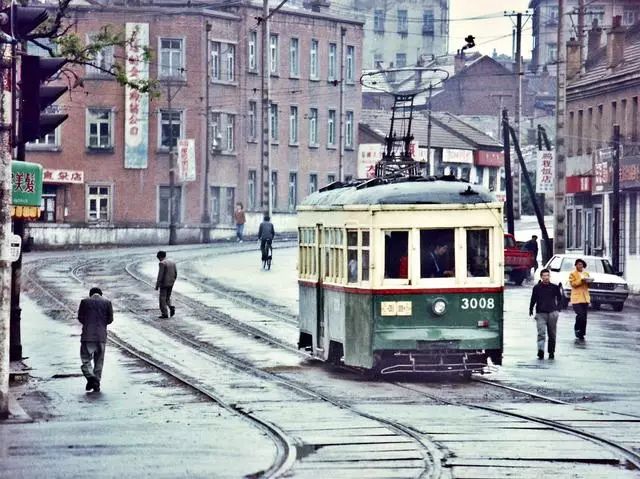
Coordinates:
[95,313]
[240,217]
[266,231]
[546,298]
[167,273]
[579,289]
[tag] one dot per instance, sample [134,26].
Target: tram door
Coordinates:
[319,289]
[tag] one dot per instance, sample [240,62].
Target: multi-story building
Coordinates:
[605,95]
[102,186]
[545,25]
[398,33]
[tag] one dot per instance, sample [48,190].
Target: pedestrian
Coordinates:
[167,274]
[547,300]
[240,221]
[532,246]
[580,298]
[95,313]
[266,233]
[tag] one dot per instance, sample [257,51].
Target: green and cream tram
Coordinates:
[403,276]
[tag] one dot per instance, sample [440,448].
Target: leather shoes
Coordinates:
[540,354]
[89,385]
[552,356]
[162,316]
[173,311]
[96,385]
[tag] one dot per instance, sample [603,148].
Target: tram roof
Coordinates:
[402,193]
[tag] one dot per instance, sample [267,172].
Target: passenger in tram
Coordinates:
[434,262]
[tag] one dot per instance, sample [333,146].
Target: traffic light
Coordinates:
[35,97]
[17,22]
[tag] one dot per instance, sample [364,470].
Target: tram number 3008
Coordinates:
[477,303]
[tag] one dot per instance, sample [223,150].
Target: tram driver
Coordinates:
[435,262]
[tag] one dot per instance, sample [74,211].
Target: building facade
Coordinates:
[94,193]
[398,33]
[605,95]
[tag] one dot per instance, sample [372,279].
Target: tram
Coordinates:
[402,275]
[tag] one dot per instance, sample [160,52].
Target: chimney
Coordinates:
[573,58]
[594,37]
[615,43]
[458,62]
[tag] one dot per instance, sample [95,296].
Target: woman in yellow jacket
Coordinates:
[580,299]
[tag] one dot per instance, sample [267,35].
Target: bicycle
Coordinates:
[267,253]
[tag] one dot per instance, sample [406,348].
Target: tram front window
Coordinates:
[478,253]
[437,253]
[396,254]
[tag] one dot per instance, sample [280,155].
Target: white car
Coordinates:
[607,286]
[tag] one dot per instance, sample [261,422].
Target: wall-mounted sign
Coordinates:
[489,158]
[186,160]
[26,179]
[450,155]
[368,155]
[64,176]
[545,172]
[136,104]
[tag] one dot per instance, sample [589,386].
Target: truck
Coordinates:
[517,260]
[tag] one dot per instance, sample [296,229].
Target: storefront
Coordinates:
[55,193]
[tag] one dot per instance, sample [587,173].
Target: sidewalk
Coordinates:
[142,424]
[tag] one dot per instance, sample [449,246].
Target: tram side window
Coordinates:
[396,254]
[365,256]
[334,254]
[478,253]
[352,256]
[307,259]
[437,253]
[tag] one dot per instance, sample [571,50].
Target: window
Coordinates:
[216,130]
[48,205]
[348,130]
[253,50]
[579,132]
[333,57]
[313,60]
[48,141]
[313,183]
[307,262]
[164,198]
[555,263]
[274,190]
[597,215]
[578,231]
[171,58]
[378,21]
[294,58]
[215,61]
[571,140]
[552,15]
[364,273]
[628,16]
[634,118]
[251,190]
[614,112]
[273,54]
[569,228]
[479,175]
[396,254]
[427,23]
[170,128]
[589,131]
[633,224]
[215,204]
[350,63]
[401,60]
[334,255]
[101,60]
[594,13]
[231,62]
[552,52]
[478,253]
[251,120]
[313,126]
[624,127]
[437,253]
[403,23]
[274,122]
[378,60]
[352,256]
[228,210]
[99,128]
[293,125]
[331,128]
[331,179]
[293,191]
[99,203]
[229,132]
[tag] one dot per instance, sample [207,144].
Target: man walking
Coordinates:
[240,221]
[167,274]
[266,233]
[95,312]
[532,246]
[547,299]
[580,298]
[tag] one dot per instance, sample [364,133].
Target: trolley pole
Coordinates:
[507,172]
[615,205]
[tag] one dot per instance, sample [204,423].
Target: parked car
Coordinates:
[517,260]
[607,286]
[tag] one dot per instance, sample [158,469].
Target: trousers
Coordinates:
[90,350]
[164,298]
[580,326]
[547,324]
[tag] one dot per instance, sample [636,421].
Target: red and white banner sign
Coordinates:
[63,176]
[186,160]
[545,172]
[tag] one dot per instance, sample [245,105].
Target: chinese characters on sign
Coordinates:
[368,155]
[63,176]
[545,172]
[136,117]
[26,182]
[186,160]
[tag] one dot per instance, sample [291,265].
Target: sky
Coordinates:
[490,33]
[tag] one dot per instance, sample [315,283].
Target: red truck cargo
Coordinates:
[517,261]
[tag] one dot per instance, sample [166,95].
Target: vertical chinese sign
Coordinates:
[136,104]
[186,160]
[545,172]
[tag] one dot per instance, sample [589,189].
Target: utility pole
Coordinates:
[581,35]
[265,145]
[172,168]
[559,210]
[343,32]
[615,204]
[206,215]
[507,172]
[429,162]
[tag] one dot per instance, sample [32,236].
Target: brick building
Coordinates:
[94,193]
[606,94]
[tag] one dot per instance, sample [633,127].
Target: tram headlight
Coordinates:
[439,307]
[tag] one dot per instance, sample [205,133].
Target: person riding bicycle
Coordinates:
[266,233]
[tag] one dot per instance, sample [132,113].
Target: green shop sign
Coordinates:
[26,179]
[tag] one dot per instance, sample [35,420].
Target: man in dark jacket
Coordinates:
[95,312]
[167,274]
[547,299]
[266,233]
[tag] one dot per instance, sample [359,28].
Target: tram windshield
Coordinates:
[478,253]
[437,257]
[396,254]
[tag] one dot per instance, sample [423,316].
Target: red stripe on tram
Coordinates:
[390,291]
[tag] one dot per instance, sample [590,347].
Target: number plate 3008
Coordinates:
[477,303]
